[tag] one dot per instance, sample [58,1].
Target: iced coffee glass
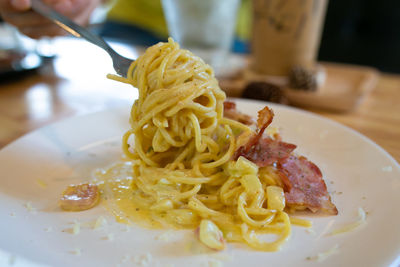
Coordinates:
[205,27]
[286,33]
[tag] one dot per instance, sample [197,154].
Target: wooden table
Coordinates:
[75,84]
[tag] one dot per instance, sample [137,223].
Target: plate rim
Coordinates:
[291,109]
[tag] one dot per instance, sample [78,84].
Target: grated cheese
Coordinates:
[165,236]
[222,256]
[323,135]
[311,231]
[30,208]
[76,229]
[41,183]
[109,237]
[143,260]
[320,257]
[100,222]
[229,235]
[387,169]
[126,258]
[350,227]
[215,263]
[76,251]
[271,131]
[127,228]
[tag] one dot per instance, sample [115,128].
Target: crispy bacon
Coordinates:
[302,179]
[264,151]
[304,186]
[229,105]
[265,117]
[231,112]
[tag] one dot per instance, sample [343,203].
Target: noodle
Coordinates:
[180,148]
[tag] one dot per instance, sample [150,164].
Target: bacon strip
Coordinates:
[306,188]
[231,112]
[265,117]
[264,151]
[302,179]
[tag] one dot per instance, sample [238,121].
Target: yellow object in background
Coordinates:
[148,15]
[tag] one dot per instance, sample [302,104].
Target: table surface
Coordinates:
[75,84]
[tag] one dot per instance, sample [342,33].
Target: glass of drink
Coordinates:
[286,33]
[205,27]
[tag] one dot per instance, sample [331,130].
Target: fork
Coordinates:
[121,64]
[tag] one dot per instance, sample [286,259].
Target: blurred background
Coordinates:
[362,32]
[365,32]
[66,75]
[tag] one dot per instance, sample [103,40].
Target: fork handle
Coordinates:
[70,26]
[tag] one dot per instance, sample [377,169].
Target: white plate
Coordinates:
[66,152]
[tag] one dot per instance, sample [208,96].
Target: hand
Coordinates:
[19,14]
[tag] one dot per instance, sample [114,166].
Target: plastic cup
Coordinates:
[205,27]
[286,33]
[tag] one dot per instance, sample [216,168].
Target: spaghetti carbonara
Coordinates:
[183,149]
[188,166]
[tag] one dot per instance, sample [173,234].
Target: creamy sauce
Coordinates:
[129,206]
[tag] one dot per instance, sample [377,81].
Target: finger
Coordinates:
[28,18]
[50,30]
[5,6]
[21,5]
[69,8]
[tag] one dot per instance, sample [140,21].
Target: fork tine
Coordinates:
[121,64]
